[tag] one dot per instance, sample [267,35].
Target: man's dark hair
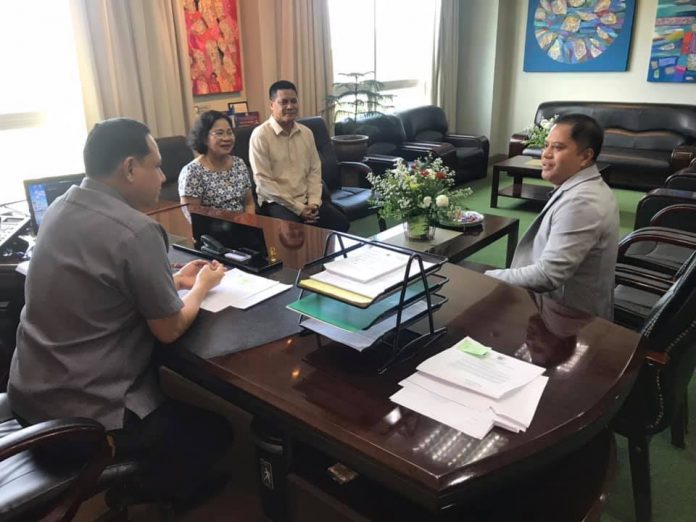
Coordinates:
[112,141]
[585,131]
[201,129]
[279,85]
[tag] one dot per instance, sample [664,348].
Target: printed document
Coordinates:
[242,290]
[367,263]
[494,375]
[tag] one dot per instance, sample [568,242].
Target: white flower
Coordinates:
[442,201]
[545,124]
[427,201]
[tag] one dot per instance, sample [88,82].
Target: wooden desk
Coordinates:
[327,399]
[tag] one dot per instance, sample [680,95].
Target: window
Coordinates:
[42,127]
[394,38]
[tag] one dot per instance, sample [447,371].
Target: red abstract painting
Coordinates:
[212,28]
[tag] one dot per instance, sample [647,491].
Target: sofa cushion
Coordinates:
[429,135]
[644,161]
[648,140]
[353,201]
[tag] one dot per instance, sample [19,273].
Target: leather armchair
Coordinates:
[429,124]
[345,182]
[387,143]
[643,142]
[668,340]
[32,488]
[175,154]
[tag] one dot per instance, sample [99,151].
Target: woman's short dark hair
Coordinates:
[280,85]
[201,128]
[112,141]
[585,131]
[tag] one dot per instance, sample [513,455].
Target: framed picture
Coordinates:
[212,29]
[578,35]
[236,108]
[673,52]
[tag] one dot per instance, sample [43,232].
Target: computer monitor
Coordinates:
[41,193]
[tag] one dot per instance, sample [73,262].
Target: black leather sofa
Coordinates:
[429,124]
[175,154]
[388,142]
[643,142]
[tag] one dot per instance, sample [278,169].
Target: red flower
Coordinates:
[423,172]
[440,175]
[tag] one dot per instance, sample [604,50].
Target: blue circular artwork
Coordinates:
[577,31]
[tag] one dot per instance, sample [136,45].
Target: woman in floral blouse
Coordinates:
[215,178]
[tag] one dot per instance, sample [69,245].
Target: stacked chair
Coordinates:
[656,295]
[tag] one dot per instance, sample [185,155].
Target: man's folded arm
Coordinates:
[170,328]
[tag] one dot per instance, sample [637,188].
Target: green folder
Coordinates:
[350,318]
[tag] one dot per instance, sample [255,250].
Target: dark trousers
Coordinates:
[329,216]
[178,445]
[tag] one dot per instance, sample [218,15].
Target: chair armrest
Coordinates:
[50,431]
[467,140]
[659,235]
[679,217]
[517,144]
[354,174]
[682,156]
[656,200]
[381,162]
[412,150]
[685,179]
[642,279]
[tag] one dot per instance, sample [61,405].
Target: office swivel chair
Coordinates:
[658,399]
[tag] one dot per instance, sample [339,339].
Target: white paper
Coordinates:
[364,338]
[22,267]
[374,287]
[515,409]
[493,375]
[467,420]
[367,263]
[240,289]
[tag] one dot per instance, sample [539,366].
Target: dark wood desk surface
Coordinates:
[326,397]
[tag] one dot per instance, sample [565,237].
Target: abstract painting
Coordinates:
[212,28]
[578,35]
[673,54]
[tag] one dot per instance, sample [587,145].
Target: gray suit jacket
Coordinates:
[570,249]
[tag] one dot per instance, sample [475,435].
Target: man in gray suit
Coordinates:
[570,249]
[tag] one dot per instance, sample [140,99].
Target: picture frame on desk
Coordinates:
[246,119]
[237,108]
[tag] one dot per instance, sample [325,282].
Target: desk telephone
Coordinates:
[211,245]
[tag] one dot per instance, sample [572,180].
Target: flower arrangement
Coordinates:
[537,133]
[417,192]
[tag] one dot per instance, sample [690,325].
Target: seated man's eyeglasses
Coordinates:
[220,133]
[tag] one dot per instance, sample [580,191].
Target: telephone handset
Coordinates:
[213,246]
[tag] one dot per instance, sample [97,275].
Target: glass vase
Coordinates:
[418,227]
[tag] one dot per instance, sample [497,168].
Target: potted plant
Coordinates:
[360,96]
[419,193]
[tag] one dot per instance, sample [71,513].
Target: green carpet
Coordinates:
[673,470]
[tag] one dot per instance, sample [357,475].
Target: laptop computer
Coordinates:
[42,192]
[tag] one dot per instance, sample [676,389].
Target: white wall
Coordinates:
[517,93]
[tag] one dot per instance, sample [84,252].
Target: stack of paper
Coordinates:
[364,275]
[473,388]
[240,289]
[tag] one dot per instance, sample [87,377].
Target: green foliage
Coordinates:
[358,97]
[420,188]
[537,133]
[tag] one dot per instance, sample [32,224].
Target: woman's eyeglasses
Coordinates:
[222,133]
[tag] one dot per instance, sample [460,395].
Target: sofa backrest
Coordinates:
[175,155]
[427,123]
[386,132]
[330,171]
[647,126]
